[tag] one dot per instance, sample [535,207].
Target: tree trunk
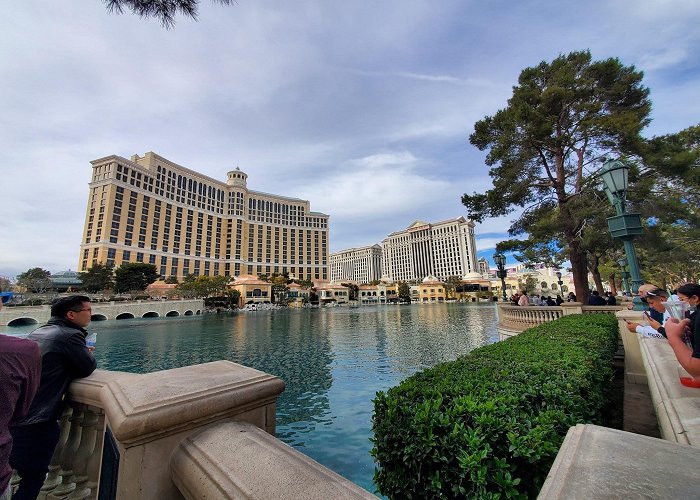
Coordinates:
[596,274]
[613,285]
[579,270]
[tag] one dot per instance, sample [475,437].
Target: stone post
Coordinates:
[634,364]
[571,308]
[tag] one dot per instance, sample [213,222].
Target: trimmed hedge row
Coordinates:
[490,424]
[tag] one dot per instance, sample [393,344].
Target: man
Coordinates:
[594,299]
[64,357]
[610,299]
[20,370]
[655,298]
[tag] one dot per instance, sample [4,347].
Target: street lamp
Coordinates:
[624,275]
[500,261]
[624,226]
[559,281]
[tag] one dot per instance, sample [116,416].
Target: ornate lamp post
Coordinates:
[500,261]
[559,281]
[624,275]
[624,226]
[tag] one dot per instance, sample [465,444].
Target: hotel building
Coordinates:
[149,209]
[357,265]
[440,249]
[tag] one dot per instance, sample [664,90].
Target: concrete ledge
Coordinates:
[600,463]
[677,407]
[238,460]
[151,406]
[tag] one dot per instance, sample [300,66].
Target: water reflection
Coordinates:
[332,360]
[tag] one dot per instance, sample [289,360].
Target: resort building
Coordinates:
[440,249]
[431,289]
[149,209]
[357,265]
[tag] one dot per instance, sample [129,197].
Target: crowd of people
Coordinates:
[682,334]
[523,299]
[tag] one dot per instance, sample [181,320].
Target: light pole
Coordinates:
[624,226]
[500,261]
[624,275]
[559,281]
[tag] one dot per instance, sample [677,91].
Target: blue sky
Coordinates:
[363,108]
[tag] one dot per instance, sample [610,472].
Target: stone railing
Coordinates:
[599,463]
[515,319]
[202,431]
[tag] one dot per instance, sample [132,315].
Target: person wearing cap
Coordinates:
[655,298]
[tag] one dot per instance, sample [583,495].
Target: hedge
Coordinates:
[490,424]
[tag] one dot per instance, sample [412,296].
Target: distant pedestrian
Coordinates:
[20,372]
[65,357]
[594,299]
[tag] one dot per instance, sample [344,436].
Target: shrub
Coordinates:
[489,424]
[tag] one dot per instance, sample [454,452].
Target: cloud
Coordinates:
[363,108]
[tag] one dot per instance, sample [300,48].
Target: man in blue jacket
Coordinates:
[64,357]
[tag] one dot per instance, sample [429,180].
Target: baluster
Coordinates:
[68,455]
[83,456]
[53,478]
[95,461]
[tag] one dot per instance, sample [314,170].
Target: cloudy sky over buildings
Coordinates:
[363,108]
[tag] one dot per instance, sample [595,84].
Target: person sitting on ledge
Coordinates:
[655,299]
[687,356]
[523,300]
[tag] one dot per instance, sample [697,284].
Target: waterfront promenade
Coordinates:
[20,315]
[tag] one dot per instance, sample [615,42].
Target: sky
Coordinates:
[363,108]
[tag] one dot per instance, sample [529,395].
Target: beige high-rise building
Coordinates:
[149,209]
[440,249]
[358,265]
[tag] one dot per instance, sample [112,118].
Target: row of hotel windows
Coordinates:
[173,186]
[165,236]
[194,266]
[200,195]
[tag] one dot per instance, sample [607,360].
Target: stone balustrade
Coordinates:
[599,463]
[132,437]
[11,316]
[513,319]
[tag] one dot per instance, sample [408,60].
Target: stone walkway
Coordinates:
[638,410]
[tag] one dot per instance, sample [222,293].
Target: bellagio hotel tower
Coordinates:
[149,209]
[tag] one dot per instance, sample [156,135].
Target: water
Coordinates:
[332,360]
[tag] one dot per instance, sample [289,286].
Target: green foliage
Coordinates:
[35,280]
[490,424]
[171,280]
[99,277]
[562,117]
[164,11]
[229,300]
[5,284]
[134,276]
[203,286]
[353,290]
[404,292]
